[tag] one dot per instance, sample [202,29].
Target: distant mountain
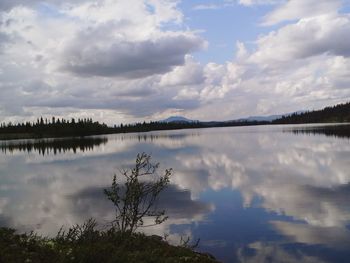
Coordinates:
[337,113]
[178,119]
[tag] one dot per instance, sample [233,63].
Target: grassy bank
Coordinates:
[85,244]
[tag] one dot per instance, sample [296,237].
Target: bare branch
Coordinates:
[137,199]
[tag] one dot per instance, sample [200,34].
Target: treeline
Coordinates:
[157,126]
[54,127]
[338,113]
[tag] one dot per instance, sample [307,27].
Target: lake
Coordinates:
[251,194]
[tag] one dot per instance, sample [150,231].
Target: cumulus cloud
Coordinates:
[6,5]
[295,9]
[259,2]
[191,73]
[106,56]
[135,58]
[215,5]
[3,39]
[295,63]
[87,57]
[308,37]
[207,7]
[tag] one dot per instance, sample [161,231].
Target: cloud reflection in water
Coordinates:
[293,189]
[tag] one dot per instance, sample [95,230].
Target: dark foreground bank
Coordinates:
[86,244]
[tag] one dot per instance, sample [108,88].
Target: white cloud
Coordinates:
[143,15]
[119,57]
[191,73]
[78,59]
[215,5]
[242,51]
[9,4]
[259,2]
[289,68]
[136,60]
[207,7]
[296,9]
[308,37]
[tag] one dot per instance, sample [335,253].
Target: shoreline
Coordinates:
[31,136]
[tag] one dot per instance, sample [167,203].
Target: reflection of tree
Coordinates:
[177,202]
[151,137]
[52,146]
[341,131]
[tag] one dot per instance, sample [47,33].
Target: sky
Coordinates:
[121,61]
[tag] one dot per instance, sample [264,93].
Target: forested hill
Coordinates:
[338,113]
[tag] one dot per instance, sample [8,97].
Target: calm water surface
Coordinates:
[251,194]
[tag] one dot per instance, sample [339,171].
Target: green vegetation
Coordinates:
[86,244]
[139,198]
[336,114]
[52,128]
[135,200]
